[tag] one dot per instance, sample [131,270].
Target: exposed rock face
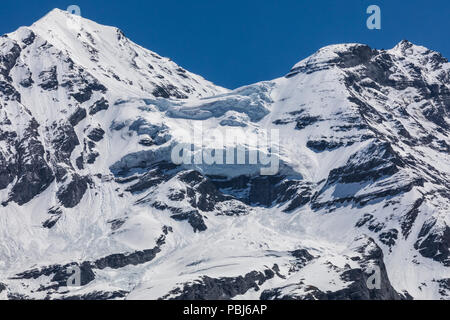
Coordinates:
[33,172]
[71,194]
[118,261]
[221,289]
[7,172]
[98,106]
[434,243]
[96,134]
[360,284]
[78,116]
[49,79]
[194,218]
[61,275]
[88,124]
[98,295]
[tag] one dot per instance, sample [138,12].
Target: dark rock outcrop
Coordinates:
[34,173]
[78,116]
[359,282]
[98,106]
[61,275]
[71,194]
[434,243]
[49,79]
[194,218]
[207,288]
[96,134]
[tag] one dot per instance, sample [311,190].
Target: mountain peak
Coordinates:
[57,12]
[56,15]
[343,55]
[405,43]
[406,47]
[58,20]
[354,54]
[330,53]
[64,42]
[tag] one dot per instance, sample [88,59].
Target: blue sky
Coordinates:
[239,42]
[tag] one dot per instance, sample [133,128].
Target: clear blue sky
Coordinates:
[239,42]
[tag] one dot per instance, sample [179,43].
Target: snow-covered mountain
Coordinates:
[88,123]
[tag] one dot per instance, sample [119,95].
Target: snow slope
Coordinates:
[88,122]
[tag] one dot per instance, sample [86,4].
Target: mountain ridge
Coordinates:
[86,178]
